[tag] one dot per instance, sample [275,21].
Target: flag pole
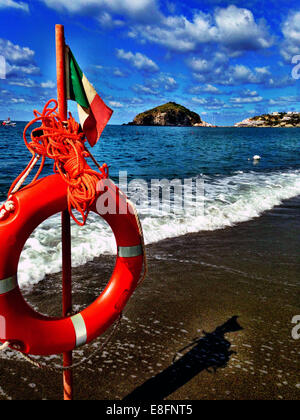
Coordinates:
[65,217]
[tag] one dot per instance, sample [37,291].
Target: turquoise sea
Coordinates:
[236,188]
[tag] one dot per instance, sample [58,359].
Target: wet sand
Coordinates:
[197,287]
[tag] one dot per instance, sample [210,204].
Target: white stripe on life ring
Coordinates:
[9,284]
[130,251]
[80,330]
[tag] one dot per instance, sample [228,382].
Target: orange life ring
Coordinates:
[33,333]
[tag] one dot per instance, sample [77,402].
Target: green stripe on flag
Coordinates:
[77,92]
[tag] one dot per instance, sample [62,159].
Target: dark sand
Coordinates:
[196,283]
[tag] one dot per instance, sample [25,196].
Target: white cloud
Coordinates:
[156,86]
[291,32]
[141,89]
[211,89]
[208,88]
[133,8]
[23,83]
[284,100]
[200,65]
[19,60]
[216,64]
[107,21]
[241,74]
[200,101]
[48,85]
[14,53]
[19,5]
[246,93]
[218,71]
[168,83]
[263,71]
[233,28]
[17,71]
[238,30]
[177,32]
[249,100]
[18,100]
[138,60]
[29,83]
[139,10]
[209,103]
[119,73]
[116,104]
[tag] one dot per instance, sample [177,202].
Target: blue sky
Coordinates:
[225,60]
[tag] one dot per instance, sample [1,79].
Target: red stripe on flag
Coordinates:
[97,120]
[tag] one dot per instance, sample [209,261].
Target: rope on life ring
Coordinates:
[63,142]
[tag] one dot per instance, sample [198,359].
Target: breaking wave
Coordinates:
[227,201]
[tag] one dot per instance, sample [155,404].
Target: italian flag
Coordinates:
[94,114]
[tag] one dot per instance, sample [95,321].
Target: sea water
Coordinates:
[236,188]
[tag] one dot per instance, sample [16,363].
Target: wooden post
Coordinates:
[65,219]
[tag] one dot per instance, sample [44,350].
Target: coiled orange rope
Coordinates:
[63,142]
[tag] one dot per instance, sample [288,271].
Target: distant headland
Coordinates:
[276,119]
[172,114]
[169,115]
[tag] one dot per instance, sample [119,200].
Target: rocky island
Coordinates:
[276,119]
[170,114]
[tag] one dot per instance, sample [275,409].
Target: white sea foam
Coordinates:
[228,201]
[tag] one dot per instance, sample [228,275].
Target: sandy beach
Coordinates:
[224,300]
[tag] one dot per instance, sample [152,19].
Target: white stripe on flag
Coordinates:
[89,90]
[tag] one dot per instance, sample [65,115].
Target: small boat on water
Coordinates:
[8,123]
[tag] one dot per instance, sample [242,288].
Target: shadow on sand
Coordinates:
[207,353]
